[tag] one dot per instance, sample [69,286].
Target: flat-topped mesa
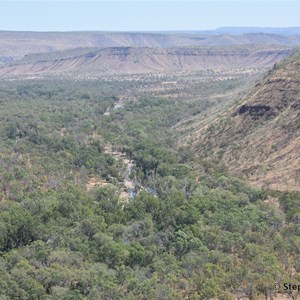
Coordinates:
[85,62]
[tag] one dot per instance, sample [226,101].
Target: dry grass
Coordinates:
[94,182]
[262,146]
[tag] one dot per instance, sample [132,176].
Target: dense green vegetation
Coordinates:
[191,232]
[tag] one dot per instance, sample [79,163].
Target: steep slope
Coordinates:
[260,138]
[88,63]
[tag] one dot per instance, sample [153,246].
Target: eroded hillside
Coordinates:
[91,63]
[260,137]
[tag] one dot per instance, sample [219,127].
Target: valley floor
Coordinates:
[99,200]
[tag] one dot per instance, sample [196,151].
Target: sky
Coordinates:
[145,15]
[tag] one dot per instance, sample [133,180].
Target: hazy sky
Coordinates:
[145,15]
